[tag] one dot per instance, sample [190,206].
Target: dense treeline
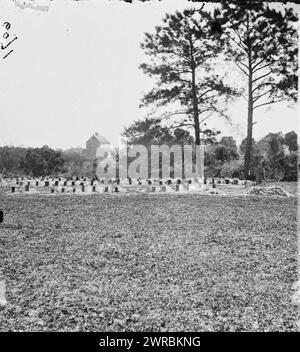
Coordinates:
[45,161]
[30,161]
[275,155]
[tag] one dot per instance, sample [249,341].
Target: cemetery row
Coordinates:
[87,185]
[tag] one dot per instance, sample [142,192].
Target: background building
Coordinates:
[93,144]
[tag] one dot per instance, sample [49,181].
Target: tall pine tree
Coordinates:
[182,52]
[262,42]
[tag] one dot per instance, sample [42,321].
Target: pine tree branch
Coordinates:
[263,76]
[244,97]
[268,103]
[243,47]
[263,85]
[182,71]
[260,68]
[182,125]
[174,113]
[240,62]
[179,55]
[205,110]
[203,94]
[240,46]
[253,60]
[241,69]
[198,53]
[214,109]
[261,95]
[207,98]
[198,10]
[205,118]
[241,42]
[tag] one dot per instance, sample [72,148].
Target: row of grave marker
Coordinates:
[117,181]
[13,188]
[163,188]
[19,181]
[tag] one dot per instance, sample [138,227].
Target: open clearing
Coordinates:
[148,263]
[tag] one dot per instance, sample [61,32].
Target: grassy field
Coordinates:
[148,263]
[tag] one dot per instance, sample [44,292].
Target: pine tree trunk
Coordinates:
[197,128]
[249,133]
[195,109]
[249,121]
[194,95]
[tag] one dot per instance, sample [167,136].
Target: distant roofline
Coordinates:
[101,139]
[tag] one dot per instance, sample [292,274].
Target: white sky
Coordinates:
[74,71]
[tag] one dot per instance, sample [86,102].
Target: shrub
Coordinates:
[233,169]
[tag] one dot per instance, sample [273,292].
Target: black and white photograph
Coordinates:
[149,169]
